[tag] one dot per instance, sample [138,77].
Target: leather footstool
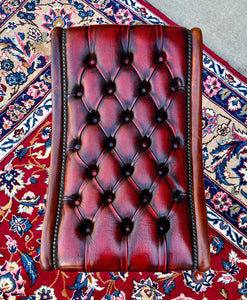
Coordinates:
[126,186]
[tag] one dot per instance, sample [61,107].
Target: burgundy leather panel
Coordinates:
[129,183]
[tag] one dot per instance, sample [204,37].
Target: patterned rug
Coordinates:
[25,134]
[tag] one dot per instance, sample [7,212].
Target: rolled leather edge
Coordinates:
[203,258]
[46,255]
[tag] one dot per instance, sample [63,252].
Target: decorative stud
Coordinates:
[93,117]
[145,142]
[128,170]
[110,143]
[145,196]
[161,115]
[86,227]
[126,225]
[163,225]
[176,84]
[127,116]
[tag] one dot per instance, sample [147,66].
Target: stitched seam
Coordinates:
[63,158]
[190,180]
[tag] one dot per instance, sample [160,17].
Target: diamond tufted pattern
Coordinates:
[125,200]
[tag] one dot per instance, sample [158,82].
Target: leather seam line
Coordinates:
[63,158]
[189,155]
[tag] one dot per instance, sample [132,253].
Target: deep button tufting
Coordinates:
[161,115]
[92,171]
[163,169]
[108,197]
[86,227]
[125,123]
[127,58]
[145,142]
[110,87]
[127,116]
[128,170]
[110,143]
[145,87]
[126,225]
[145,196]
[163,225]
[177,196]
[93,117]
[176,84]
[176,143]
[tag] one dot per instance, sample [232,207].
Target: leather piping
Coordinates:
[64,129]
[189,156]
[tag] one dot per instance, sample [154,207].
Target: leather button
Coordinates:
[110,87]
[163,225]
[110,143]
[177,197]
[78,90]
[145,87]
[176,143]
[145,196]
[176,84]
[92,60]
[126,226]
[86,227]
[77,202]
[76,145]
[128,170]
[76,199]
[161,57]
[163,169]
[108,197]
[145,142]
[79,94]
[127,58]
[127,116]
[93,117]
[161,115]
[92,171]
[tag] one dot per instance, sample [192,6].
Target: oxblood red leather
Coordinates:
[126,182]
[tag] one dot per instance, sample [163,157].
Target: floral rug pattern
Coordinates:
[25,145]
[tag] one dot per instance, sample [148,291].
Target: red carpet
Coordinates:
[25,144]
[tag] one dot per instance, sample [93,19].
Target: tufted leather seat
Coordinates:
[126,185]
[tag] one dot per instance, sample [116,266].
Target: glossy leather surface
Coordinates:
[126,194]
